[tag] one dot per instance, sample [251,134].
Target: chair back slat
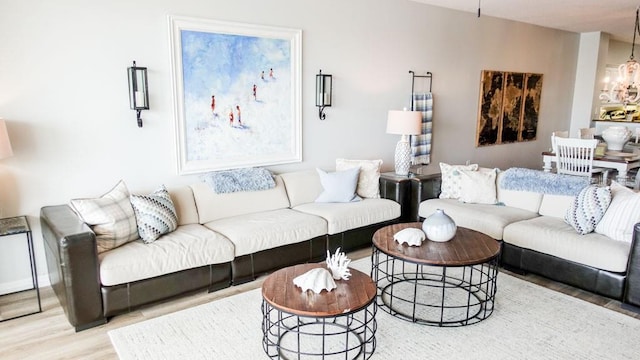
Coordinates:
[574,156]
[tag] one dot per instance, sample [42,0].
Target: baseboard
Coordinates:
[23,284]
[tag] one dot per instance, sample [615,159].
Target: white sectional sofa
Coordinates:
[221,240]
[536,238]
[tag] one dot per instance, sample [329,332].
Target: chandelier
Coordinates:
[624,89]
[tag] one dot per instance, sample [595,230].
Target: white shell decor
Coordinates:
[338,263]
[410,236]
[316,280]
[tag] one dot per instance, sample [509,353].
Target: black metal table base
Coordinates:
[349,336]
[434,295]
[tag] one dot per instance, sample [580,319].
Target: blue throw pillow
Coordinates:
[339,186]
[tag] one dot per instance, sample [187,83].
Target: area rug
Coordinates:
[529,322]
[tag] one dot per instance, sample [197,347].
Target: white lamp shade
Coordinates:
[404,122]
[5,144]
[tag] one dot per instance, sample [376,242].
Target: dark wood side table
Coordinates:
[10,304]
[336,324]
[443,284]
[409,191]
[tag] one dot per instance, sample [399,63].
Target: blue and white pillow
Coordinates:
[155,214]
[588,208]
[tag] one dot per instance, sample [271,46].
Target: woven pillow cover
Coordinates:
[110,216]
[369,177]
[588,208]
[155,214]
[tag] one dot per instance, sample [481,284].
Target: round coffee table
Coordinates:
[337,324]
[449,283]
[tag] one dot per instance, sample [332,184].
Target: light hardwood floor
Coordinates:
[48,335]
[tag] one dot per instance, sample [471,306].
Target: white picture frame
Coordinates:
[237,94]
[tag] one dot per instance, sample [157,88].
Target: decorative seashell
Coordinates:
[339,265]
[411,236]
[316,280]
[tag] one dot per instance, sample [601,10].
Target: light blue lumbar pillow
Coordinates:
[339,186]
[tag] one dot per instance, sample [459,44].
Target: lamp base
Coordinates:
[403,156]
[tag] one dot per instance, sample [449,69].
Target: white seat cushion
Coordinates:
[251,233]
[189,246]
[346,216]
[551,235]
[487,219]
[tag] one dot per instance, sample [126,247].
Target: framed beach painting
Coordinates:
[237,94]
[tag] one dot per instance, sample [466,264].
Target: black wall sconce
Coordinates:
[323,92]
[138,90]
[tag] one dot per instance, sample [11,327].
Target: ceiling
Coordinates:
[616,17]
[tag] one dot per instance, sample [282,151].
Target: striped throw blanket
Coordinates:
[421,144]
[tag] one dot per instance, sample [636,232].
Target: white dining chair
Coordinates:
[575,156]
[557,134]
[586,133]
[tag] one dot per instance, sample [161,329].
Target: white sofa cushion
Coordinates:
[526,200]
[268,229]
[551,235]
[302,186]
[187,247]
[212,206]
[555,205]
[185,205]
[487,219]
[346,216]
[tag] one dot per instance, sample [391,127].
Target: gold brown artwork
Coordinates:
[509,107]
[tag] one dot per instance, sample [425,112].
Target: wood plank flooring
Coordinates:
[48,335]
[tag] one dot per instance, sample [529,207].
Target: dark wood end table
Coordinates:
[332,324]
[449,283]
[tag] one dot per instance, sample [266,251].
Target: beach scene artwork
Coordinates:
[238,100]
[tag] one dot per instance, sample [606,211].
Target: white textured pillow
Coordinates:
[339,186]
[369,178]
[110,216]
[478,186]
[621,215]
[450,188]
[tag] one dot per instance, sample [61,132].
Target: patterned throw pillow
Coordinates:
[588,208]
[624,211]
[450,188]
[110,217]
[155,214]
[369,178]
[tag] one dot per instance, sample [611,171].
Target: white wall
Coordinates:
[64,88]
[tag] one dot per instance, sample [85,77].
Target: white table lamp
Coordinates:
[404,123]
[5,144]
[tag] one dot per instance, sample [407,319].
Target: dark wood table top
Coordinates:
[468,247]
[350,295]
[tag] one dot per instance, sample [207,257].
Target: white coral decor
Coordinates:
[338,263]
